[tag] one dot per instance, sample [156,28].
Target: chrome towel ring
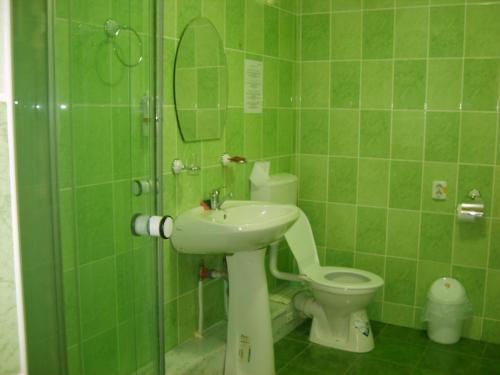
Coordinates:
[112,30]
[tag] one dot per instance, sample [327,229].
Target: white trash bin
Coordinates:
[446,310]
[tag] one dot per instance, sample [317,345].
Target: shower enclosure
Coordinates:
[87,147]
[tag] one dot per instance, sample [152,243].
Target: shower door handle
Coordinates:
[152,226]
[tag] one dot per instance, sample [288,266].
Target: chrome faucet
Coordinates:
[216,201]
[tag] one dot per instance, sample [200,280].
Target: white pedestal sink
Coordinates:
[243,230]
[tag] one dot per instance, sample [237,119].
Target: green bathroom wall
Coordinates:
[250,29]
[394,95]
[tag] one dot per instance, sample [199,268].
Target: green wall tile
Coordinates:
[93,152]
[287,84]
[410,3]
[234,135]
[375,4]
[286,131]
[492,297]
[94,241]
[410,34]
[494,258]
[482,30]
[338,258]
[315,84]
[190,9]
[235,76]
[401,315]
[407,135]
[403,233]
[373,182]
[481,78]
[477,138]
[405,185]
[100,353]
[446,31]
[444,90]
[441,136]
[496,201]
[378,28]
[345,84]
[315,37]
[400,277]
[97,297]
[436,237]
[371,230]
[344,132]
[342,180]
[376,84]
[253,136]
[471,244]
[254,27]
[375,134]
[313,175]
[270,133]
[235,26]
[346,35]
[314,131]
[491,331]
[409,84]
[271,31]
[341,226]
[473,280]
[439,172]
[317,6]
[345,4]
[287,35]
[187,307]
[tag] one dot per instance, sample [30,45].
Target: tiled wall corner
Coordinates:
[394,95]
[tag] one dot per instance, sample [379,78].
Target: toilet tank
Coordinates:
[279,188]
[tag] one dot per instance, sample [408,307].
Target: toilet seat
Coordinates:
[343,280]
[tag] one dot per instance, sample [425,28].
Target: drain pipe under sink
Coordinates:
[303,301]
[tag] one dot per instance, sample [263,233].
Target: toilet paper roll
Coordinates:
[470,211]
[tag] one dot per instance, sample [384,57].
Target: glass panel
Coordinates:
[103,82]
[38,229]
[96,310]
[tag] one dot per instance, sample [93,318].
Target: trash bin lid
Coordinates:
[448,291]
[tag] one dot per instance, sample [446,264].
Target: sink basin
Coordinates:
[237,226]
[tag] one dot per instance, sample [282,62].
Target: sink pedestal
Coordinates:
[249,349]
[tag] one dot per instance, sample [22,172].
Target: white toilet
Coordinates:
[340,295]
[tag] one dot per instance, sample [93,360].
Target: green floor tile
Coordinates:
[367,366]
[449,363]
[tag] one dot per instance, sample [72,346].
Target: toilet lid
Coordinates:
[343,278]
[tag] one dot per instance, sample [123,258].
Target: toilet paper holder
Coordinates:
[472,210]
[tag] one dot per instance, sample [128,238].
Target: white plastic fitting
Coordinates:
[154,226]
[273,266]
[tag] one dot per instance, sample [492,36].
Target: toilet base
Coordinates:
[350,333]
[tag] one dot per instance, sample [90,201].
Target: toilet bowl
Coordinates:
[337,297]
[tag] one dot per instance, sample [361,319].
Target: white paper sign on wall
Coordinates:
[254,74]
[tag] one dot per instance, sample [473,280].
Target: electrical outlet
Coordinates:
[439,190]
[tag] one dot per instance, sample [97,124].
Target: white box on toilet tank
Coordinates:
[279,188]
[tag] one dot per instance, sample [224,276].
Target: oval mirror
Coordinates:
[200,82]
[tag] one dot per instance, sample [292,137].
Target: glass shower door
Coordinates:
[104,81]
